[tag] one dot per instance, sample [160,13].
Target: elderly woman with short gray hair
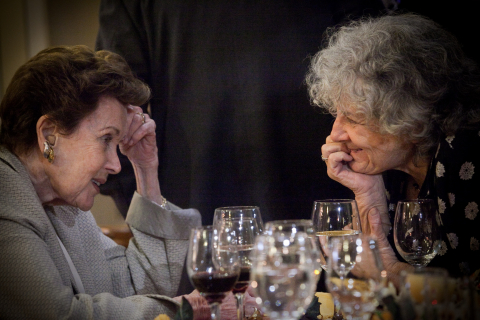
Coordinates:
[406,103]
[64,115]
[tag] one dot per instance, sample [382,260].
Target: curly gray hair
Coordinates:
[402,71]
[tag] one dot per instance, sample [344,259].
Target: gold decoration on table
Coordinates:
[257,315]
[327,309]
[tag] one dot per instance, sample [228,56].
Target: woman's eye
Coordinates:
[351,120]
[107,140]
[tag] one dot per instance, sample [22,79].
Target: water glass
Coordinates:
[355,275]
[332,218]
[415,231]
[231,212]
[283,274]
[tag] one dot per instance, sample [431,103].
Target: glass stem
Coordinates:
[215,311]
[240,306]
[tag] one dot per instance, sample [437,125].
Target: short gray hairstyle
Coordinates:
[404,72]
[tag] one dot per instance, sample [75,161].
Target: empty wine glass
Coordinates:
[334,217]
[300,225]
[239,212]
[416,233]
[355,275]
[241,233]
[283,274]
[212,265]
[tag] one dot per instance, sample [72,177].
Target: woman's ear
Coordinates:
[46,131]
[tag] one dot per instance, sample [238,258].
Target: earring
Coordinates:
[48,152]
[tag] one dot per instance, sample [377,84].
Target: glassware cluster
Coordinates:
[282,261]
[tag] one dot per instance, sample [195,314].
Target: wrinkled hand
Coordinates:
[139,143]
[338,169]
[389,259]
[228,308]
[201,309]
[369,190]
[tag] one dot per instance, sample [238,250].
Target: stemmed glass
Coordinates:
[241,233]
[355,275]
[212,265]
[283,274]
[334,217]
[416,232]
[223,213]
[299,225]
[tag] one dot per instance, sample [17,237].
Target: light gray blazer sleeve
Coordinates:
[156,254]
[120,283]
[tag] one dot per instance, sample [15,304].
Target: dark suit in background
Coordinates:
[234,121]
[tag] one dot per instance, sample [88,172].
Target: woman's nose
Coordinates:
[338,131]
[113,164]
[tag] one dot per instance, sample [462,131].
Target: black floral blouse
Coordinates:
[453,181]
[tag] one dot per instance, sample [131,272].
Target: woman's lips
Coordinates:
[96,184]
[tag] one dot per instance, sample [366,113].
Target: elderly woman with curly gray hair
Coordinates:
[406,103]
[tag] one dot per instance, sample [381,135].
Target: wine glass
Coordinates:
[416,232]
[239,212]
[212,265]
[299,225]
[283,274]
[334,217]
[355,275]
[241,233]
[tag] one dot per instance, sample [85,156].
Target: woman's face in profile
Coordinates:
[84,159]
[372,152]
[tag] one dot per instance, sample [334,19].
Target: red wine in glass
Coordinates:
[243,281]
[212,265]
[214,286]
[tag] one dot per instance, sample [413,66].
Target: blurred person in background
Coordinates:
[234,125]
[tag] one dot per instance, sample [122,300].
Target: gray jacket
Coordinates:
[36,281]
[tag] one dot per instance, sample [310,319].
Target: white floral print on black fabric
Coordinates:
[451,199]
[471,210]
[466,171]
[440,169]
[452,183]
[449,139]
[441,205]
[442,247]
[439,219]
[453,239]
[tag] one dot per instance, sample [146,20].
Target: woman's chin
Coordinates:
[85,205]
[359,167]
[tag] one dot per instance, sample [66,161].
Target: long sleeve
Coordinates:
[454,181]
[120,283]
[155,266]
